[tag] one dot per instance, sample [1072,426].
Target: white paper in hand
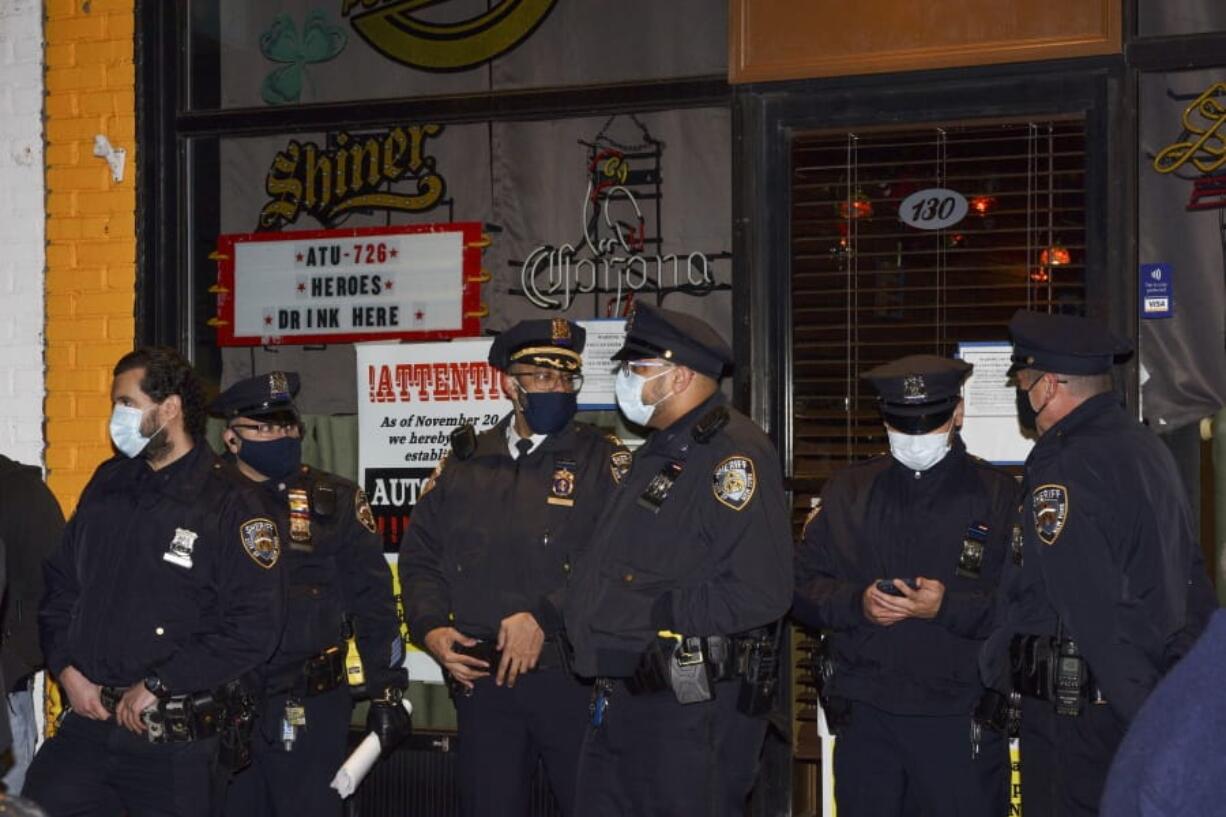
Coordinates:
[355,768]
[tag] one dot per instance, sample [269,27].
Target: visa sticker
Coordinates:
[1156,297]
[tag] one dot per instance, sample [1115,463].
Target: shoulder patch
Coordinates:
[1050,506]
[428,486]
[620,461]
[734,481]
[815,507]
[361,509]
[261,541]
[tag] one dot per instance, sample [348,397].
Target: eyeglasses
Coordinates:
[546,380]
[629,366]
[268,429]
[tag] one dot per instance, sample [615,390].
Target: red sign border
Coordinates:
[470,299]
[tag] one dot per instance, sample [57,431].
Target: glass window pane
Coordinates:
[289,52]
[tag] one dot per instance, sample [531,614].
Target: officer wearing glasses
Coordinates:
[689,568]
[486,561]
[339,583]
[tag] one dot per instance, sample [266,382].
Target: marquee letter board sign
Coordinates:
[418,282]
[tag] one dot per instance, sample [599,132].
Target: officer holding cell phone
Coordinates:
[899,562]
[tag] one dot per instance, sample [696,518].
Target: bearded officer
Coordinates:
[338,583]
[167,588]
[485,564]
[1106,587]
[900,561]
[689,568]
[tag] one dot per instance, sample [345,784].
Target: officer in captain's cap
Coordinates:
[1105,588]
[340,586]
[689,571]
[899,561]
[484,564]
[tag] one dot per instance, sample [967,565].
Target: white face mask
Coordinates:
[628,387]
[919,452]
[125,430]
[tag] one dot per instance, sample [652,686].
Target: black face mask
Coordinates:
[275,459]
[1027,416]
[548,412]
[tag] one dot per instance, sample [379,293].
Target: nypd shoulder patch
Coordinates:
[1050,507]
[261,541]
[734,481]
[619,463]
[361,508]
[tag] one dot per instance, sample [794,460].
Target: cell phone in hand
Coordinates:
[887,586]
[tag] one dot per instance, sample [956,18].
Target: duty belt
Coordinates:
[726,658]
[555,653]
[314,676]
[1048,668]
[178,718]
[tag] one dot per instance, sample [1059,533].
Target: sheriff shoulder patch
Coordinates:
[260,540]
[361,508]
[734,481]
[1050,506]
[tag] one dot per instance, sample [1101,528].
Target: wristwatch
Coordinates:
[155,685]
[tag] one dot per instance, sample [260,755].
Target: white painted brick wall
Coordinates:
[22,221]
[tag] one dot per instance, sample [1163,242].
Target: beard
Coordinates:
[159,440]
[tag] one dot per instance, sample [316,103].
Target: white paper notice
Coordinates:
[604,337]
[989,427]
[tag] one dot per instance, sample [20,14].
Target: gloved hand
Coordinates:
[389,720]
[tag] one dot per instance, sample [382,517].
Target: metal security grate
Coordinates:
[867,288]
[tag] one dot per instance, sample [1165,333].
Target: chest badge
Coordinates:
[661,484]
[1050,504]
[180,550]
[562,487]
[619,464]
[260,540]
[299,518]
[734,482]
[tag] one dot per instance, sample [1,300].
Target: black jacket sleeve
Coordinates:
[366,581]
[427,598]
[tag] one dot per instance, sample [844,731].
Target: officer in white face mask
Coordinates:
[900,561]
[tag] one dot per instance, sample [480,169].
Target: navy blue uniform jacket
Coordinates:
[879,519]
[494,536]
[716,559]
[335,565]
[1108,554]
[118,609]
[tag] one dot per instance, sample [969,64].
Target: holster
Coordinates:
[324,673]
[999,712]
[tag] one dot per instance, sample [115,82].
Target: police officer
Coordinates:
[484,566]
[339,583]
[900,559]
[690,566]
[1105,588]
[166,589]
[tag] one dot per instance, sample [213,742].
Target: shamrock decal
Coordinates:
[321,41]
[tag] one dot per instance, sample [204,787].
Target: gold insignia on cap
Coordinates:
[278,386]
[560,330]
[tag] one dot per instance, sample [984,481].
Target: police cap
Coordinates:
[264,395]
[675,337]
[918,393]
[1063,344]
[555,343]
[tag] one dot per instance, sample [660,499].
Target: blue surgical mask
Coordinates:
[125,430]
[547,412]
[628,388]
[275,459]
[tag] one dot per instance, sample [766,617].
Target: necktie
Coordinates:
[523,447]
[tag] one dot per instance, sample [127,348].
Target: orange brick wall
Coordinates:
[91,229]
